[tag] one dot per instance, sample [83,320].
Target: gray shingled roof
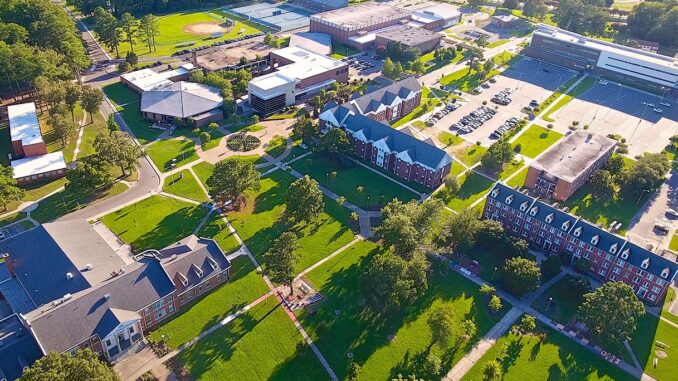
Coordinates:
[18,348]
[385,95]
[181,99]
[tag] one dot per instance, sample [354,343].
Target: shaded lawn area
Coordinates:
[428,102]
[536,140]
[155,222]
[12,218]
[52,142]
[62,203]
[276,146]
[449,140]
[163,153]
[92,130]
[375,187]
[244,286]
[519,179]
[510,169]
[655,338]
[554,358]
[185,185]
[259,223]
[489,258]
[472,187]
[127,103]
[470,155]
[668,299]
[214,142]
[261,344]
[465,81]
[217,230]
[358,330]
[563,306]
[621,208]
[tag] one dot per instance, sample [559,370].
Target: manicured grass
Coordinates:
[428,102]
[244,286]
[456,168]
[497,43]
[245,127]
[166,152]
[580,89]
[673,245]
[554,358]
[559,91]
[655,338]
[563,306]
[536,140]
[127,103]
[668,300]
[155,222]
[53,143]
[379,189]
[471,154]
[214,142]
[203,170]
[217,230]
[518,179]
[276,146]
[358,330]
[473,187]
[510,169]
[449,140]
[91,131]
[12,218]
[62,203]
[259,223]
[621,208]
[184,184]
[172,36]
[465,81]
[261,344]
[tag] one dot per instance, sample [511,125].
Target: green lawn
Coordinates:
[173,36]
[471,154]
[244,286]
[261,344]
[449,140]
[218,231]
[673,245]
[554,358]
[154,222]
[127,103]
[497,43]
[356,329]
[464,80]
[536,140]
[12,218]
[580,89]
[204,169]
[379,190]
[428,102]
[276,146]
[244,127]
[92,130]
[655,338]
[214,142]
[670,296]
[621,208]
[473,187]
[177,151]
[563,305]
[184,184]
[62,203]
[510,169]
[456,168]
[259,223]
[518,180]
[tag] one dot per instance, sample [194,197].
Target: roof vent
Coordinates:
[173,257]
[67,297]
[69,276]
[89,266]
[107,296]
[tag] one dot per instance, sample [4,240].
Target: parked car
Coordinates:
[667,104]
[672,213]
[662,227]
[603,82]
[658,110]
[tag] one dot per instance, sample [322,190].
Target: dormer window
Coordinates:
[534,211]
[549,218]
[594,240]
[566,225]
[577,232]
[665,273]
[613,248]
[198,271]
[523,206]
[213,263]
[495,193]
[645,263]
[509,200]
[183,279]
[625,254]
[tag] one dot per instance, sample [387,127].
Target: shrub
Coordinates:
[517,148]
[123,67]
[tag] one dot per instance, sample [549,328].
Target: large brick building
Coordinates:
[568,164]
[401,152]
[607,256]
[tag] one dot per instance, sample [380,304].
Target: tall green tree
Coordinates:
[130,27]
[305,129]
[62,127]
[149,30]
[9,190]
[335,144]
[119,149]
[602,185]
[473,54]
[441,325]
[497,155]
[492,370]
[83,366]
[520,276]
[90,99]
[90,175]
[230,180]
[71,97]
[107,29]
[111,124]
[647,174]
[280,259]
[305,200]
[535,8]
[390,281]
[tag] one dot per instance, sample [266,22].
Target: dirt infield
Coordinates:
[205,28]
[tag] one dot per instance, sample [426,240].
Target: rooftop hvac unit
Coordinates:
[67,297]
[107,296]
[69,276]
[89,267]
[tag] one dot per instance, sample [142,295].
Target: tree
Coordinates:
[130,27]
[12,33]
[353,371]
[498,154]
[335,144]
[305,200]
[111,124]
[520,275]
[62,128]
[469,328]
[149,30]
[305,129]
[550,267]
[647,174]
[132,59]
[387,68]
[602,185]
[615,166]
[397,70]
[580,17]
[473,54]
[83,366]
[106,28]
[483,41]
[9,191]
[255,119]
[230,180]
[458,234]
[213,126]
[90,100]
[418,67]
[119,149]
[440,323]
[389,280]
[511,4]
[527,324]
[433,364]
[406,227]
[516,247]
[535,8]
[205,138]
[398,232]
[495,303]
[645,19]
[90,175]
[476,3]
[611,313]
[452,186]
[71,97]
[487,290]
[491,370]
[280,259]
[490,234]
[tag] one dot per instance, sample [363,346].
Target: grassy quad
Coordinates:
[244,286]
[259,223]
[127,103]
[668,300]
[554,358]
[621,208]
[261,344]
[357,330]
[472,187]
[563,306]
[655,338]
[375,187]
[470,154]
[536,140]
[518,179]
[154,222]
[62,203]
[204,170]
[184,184]
[217,229]
[164,153]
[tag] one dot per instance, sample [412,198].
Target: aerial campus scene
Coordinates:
[338,190]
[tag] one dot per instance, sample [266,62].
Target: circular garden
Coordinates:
[242,142]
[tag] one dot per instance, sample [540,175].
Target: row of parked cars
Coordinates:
[474,120]
[219,43]
[502,97]
[508,125]
[440,114]
[357,63]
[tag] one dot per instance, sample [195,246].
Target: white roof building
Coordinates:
[306,63]
[181,99]
[23,124]
[147,79]
[35,165]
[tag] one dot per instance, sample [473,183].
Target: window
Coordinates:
[620,262]
[652,297]
[606,264]
[613,278]
[656,289]
[636,279]
[650,277]
[159,304]
[170,308]
[616,270]
[640,272]
[160,314]
[587,255]
[602,272]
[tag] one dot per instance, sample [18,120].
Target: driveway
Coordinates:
[642,231]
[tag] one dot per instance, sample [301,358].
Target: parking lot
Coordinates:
[614,109]
[527,80]
[363,65]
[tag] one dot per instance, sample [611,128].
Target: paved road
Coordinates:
[642,231]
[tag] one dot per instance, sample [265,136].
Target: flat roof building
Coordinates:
[24,130]
[36,168]
[411,37]
[568,164]
[504,21]
[147,79]
[255,54]
[617,62]
[435,16]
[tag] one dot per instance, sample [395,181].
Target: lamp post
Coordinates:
[549,303]
[494,272]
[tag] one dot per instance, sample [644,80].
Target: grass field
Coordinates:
[456,168]
[62,203]
[166,152]
[244,286]
[555,358]
[356,329]
[464,80]
[91,130]
[259,223]
[473,187]
[581,88]
[185,185]
[276,146]
[217,230]
[154,222]
[470,155]
[376,188]
[204,169]
[564,304]
[12,218]
[261,344]
[536,140]
[670,296]
[173,35]
[127,103]
[449,140]
[655,338]
[621,208]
